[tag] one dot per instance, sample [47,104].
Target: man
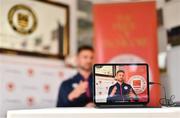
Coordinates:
[121,91]
[77,91]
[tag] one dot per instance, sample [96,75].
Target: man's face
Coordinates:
[85,59]
[120,76]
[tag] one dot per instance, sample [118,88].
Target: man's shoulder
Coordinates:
[126,84]
[70,80]
[113,85]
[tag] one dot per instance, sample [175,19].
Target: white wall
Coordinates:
[173,70]
[171,14]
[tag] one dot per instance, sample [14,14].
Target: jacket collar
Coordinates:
[79,77]
[117,84]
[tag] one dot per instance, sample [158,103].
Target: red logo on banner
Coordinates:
[137,83]
[30,72]
[10,86]
[46,88]
[106,88]
[30,101]
[61,75]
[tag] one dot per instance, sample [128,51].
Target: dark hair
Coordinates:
[85,47]
[120,71]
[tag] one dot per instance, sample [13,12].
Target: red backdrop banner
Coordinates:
[127,32]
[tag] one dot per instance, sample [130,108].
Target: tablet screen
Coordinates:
[121,83]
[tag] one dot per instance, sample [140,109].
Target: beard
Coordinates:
[86,68]
[121,80]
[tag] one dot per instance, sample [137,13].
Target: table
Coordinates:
[97,113]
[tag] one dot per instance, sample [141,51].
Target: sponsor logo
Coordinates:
[138,83]
[125,87]
[61,74]
[30,72]
[10,86]
[47,88]
[30,101]
[74,85]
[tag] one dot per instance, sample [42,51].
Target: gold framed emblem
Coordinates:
[22,19]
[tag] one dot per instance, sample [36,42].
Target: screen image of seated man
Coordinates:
[121,91]
[77,91]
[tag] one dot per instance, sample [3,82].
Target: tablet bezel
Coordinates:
[120,103]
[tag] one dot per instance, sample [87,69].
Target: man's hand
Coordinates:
[80,89]
[131,94]
[90,105]
[113,91]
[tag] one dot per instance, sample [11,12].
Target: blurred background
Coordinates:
[39,42]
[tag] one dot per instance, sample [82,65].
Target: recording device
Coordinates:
[121,85]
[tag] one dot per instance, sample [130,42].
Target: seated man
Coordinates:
[77,91]
[121,91]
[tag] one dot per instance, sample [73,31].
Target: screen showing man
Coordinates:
[121,83]
[77,91]
[121,91]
